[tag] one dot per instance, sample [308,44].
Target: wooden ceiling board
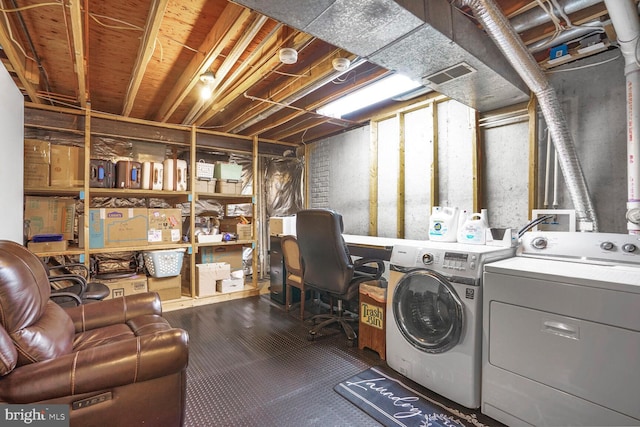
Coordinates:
[177,41]
[46,27]
[114,41]
[191,37]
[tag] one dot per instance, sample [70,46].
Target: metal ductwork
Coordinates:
[428,40]
[500,30]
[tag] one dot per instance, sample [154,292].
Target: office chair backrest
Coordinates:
[327,263]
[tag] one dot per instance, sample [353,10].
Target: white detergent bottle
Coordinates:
[474,229]
[462,218]
[443,224]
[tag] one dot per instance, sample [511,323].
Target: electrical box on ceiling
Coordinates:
[561,219]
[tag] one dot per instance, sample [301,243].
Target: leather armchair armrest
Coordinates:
[113,311]
[98,369]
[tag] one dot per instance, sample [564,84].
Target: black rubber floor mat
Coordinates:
[395,404]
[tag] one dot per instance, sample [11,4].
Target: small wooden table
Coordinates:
[372,327]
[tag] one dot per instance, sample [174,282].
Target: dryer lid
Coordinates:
[428,311]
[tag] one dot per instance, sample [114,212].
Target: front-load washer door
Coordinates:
[428,311]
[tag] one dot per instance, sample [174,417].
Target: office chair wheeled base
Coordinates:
[331,318]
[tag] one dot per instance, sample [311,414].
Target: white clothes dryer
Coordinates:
[434,316]
[562,332]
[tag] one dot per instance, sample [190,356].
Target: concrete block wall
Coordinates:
[596,115]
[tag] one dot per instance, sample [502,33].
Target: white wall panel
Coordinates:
[12,158]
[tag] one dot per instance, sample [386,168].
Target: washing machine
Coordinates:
[434,316]
[561,340]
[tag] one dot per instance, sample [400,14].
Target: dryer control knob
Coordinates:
[607,246]
[539,243]
[427,259]
[629,247]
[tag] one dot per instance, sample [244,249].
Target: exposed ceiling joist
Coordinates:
[228,27]
[270,62]
[78,50]
[258,21]
[292,89]
[18,61]
[145,53]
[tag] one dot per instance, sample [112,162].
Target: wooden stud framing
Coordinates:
[254,210]
[476,159]
[373,180]
[228,27]
[78,50]
[435,185]
[533,152]
[401,177]
[158,8]
[230,60]
[18,62]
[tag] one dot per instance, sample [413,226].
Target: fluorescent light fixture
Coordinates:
[385,88]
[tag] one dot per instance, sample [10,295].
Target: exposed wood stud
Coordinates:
[435,185]
[533,152]
[17,60]
[401,177]
[226,28]
[145,52]
[77,34]
[373,180]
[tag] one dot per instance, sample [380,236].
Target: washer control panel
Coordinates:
[583,247]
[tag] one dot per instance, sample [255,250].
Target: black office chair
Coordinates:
[66,279]
[328,267]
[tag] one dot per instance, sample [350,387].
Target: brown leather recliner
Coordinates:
[121,353]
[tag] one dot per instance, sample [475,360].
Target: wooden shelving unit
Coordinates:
[86,128]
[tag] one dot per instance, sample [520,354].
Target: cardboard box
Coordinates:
[167,287]
[116,228]
[165,226]
[67,166]
[128,286]
[227,171]
[228,187]
[244,231]
[230,285]
[203,186]
[208,274]
[231,254]
[47,246]
[282,226]
[37,151]
[36,175]
[50,215]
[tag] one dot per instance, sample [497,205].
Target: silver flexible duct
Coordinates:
[504,36]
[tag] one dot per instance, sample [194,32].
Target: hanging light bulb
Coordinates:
[205,92]
[207,79]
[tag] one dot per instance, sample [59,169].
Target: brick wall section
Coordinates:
[320,170]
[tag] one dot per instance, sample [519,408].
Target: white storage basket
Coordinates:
[165,263]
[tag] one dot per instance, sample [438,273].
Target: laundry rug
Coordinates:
[394,404]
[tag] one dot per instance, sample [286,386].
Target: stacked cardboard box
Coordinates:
[116,227]
[208,274]
[167,287]
[165,226]
[37,160]
[128,286]
[67,166]
[50,215]
[229,254]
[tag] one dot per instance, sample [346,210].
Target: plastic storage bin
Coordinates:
[164,263]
